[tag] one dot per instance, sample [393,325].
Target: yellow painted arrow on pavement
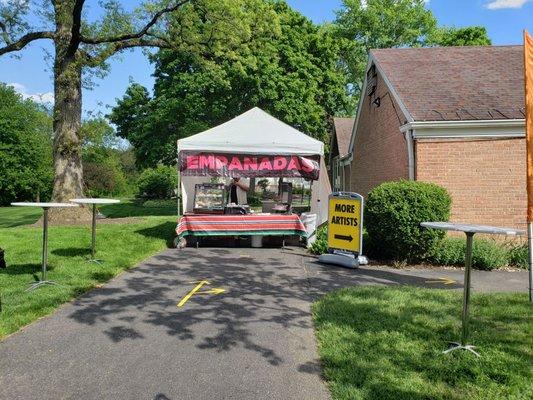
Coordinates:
[212,291]
[445,281]
[196,290]
[193,291]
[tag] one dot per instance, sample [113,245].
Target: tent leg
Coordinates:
[178,192]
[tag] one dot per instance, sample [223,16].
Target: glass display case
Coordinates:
[209,198]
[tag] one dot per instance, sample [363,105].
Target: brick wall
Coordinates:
[380,151]
[486,178]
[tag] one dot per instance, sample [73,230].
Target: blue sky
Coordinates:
[504,20]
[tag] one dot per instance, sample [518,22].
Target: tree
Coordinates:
[467,36]
[80,46]
[25,148]
[262,54]
[374,24]
[103,172]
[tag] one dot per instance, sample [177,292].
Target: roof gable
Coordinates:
[456,83]
[343,128]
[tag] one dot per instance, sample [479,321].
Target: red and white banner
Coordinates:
[248,165]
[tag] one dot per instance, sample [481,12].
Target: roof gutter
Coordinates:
[410,154]
[490,128]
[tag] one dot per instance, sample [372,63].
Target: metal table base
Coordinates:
[43,281]
[470,230]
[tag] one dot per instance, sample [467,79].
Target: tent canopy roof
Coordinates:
[253,132]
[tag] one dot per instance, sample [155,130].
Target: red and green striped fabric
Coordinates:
[230,225]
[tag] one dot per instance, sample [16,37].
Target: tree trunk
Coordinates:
[68,173]
[68,170]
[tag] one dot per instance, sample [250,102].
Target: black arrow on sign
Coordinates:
[343,237]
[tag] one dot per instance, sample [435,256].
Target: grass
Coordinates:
[130,208]
[14,216]
[120,245]
[386,343]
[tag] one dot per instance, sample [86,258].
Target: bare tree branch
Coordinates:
[76,26]
[93,61]
[139,34]
[24,40]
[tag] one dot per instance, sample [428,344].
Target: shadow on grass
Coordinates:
[24,269]
[374,340]
[133,209]
[165,231]
[72,252]
[102,276]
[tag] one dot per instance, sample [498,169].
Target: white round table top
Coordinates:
[471,228]
[43,205]
[95,201]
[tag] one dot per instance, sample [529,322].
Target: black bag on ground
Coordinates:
[2,259]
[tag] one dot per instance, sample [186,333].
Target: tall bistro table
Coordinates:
[470,231]
[94,202]
[45,207]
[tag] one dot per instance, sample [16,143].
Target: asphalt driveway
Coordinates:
[129,340]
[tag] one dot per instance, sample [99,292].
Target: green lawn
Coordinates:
[14,216]
[129,208]
[385,343]
[121,246]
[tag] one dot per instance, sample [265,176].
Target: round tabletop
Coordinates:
[471,228]
[43,205]
[95,201]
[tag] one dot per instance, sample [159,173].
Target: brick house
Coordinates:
[338,149]
[453,116]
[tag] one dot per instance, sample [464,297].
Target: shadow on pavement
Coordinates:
[265,290]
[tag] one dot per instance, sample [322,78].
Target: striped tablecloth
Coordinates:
[229,225]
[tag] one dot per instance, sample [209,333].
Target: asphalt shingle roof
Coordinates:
[457,83]
[343,131]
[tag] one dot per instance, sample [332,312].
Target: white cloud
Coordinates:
[43,98]
[499,4]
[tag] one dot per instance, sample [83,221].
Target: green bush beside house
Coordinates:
[393,213]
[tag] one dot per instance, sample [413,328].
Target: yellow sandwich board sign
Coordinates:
[345,222]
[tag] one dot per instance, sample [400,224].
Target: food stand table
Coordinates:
[470,231]
[252,145]
[232,225]
[45,207]
[94,202]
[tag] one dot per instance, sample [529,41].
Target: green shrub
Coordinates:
[393,213]
[448,251]
[157,183]
[320,245]
[518,256]
[486,254]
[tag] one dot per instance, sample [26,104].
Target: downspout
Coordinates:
[410,154]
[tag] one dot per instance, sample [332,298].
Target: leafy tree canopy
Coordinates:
[25,148]
[467,36]
[104,173]
[372,24]
[240,54]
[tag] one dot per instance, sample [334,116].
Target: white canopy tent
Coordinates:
[257,132]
